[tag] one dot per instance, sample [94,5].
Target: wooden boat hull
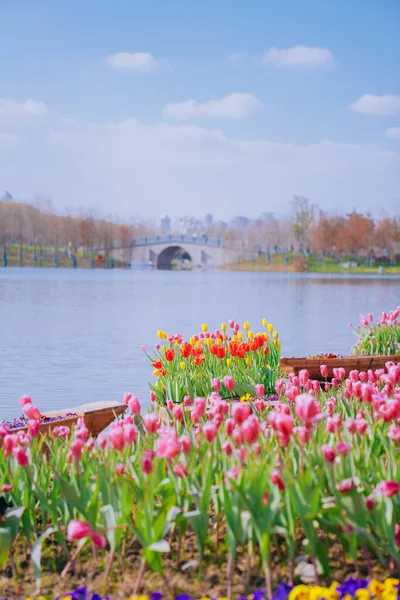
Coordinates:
[97,415]
[349,363]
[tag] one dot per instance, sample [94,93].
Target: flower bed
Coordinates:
[357,589]
[231,363]
[381,337]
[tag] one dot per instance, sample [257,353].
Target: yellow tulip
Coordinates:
[176,343]
[223,326]
[204,327]
[208,342]
[159,333]
[246,325]
[192,340]
[270,327]
[219,342]
[248,361]
[240,335]
[264,322]
[182,365]
[229,362]
[163,347]
[275,335]
[234,338]
[156,372]
[198,344]
[250,335]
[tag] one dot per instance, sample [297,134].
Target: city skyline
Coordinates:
[144,108]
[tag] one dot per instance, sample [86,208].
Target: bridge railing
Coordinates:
[199,240]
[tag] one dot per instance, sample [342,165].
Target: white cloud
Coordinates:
[14,109]
[235,106]
[136,61]
[377,105]
[304,57]
[393,133]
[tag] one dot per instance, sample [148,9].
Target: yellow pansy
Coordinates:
[142,597]
[264,322]
[204,327]
[362,594]
[246,325]
[375,587]
[223,326]
[300,592]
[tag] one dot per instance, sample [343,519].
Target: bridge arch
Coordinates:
[167,258]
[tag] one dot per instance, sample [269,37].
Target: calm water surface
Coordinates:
[68,337]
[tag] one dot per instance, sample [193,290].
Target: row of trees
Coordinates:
[41,227]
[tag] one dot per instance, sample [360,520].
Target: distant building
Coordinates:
[208,221]
[165,224]
[7,197]
[240,222]
[267,217]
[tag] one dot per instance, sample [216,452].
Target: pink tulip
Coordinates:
[81,432]
[229,383]
[119,469]
[351,425]
[304,434]
[240,412]
[237,437]
[366,392]
[280,387]
[99,540]
[277,480]
[394,433]
[370,502]
[153,396]
[130,433]
[180,470]
[151,422]
[25,400]
[316,386]
[304,376]
[354,375]
[170,405]
[216,383]
[33,428]
[306,408]
[186,443]
[6,488]
[127,397]
[260,390]
[187,401]
[9,443]
[362,426]
[229,426]
[388,488]
[363,376]
[4,430]
[199,405]
[102,441]
[324,371]
[209,432]
[77,530]
[147,464]
[168,446]
[134,406]
[62,431]
[177,412]
[328,453]
[32,412]
[342,448]
[231,323]
[76,449]
[260,404]
[250,429]
[346,485]
[117,438]
[21,456]
[90,444]
[281,422]
[227,448]
[335,383]
[394,374]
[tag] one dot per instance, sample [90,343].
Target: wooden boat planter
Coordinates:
[349,363]
[97,415]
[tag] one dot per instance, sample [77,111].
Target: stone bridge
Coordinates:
[164,252]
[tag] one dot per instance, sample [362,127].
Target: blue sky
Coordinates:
[151,106]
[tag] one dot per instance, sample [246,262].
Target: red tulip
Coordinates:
[170,355]
[277,480]
[388,488]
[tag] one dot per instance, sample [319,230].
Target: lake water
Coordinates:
[74,336]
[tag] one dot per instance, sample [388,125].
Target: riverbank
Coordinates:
[295,263]
[48,257]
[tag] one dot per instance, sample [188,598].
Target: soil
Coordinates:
[89,570]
